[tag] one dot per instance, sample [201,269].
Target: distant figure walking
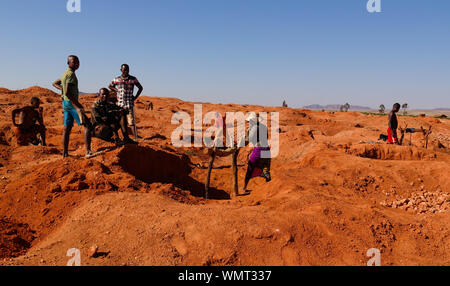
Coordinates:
[124,86]
[393,124]
[27,130]
[68,85]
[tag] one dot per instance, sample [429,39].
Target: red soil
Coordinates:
[333,196]
[15,238]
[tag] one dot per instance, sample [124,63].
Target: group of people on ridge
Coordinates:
[109,113]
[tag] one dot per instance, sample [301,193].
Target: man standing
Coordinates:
[27,130]
[68,84]
[393,124]
[124,86]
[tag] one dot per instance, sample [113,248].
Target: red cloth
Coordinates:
[391,138]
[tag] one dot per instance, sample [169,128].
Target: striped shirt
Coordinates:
[125,87]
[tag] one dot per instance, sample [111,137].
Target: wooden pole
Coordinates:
[208,176]
[402,131]
[234,155]
[426,139]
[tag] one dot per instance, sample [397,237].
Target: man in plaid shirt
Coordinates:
[124,86]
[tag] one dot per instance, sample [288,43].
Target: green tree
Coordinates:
[382,109]
[284,103]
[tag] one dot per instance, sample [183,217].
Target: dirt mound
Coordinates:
[72,176]
[22,96]
[89,175]
[15,238]
[42,195]
[390,152]
[35,91]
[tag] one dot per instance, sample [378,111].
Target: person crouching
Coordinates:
[107,119]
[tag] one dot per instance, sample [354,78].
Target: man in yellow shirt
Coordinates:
[68,84]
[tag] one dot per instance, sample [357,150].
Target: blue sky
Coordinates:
[240,51]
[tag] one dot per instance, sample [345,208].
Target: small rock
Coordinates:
[93,251]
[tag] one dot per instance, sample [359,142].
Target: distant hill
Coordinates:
[86,93]
[335,107]
[37,91]
[34,90]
